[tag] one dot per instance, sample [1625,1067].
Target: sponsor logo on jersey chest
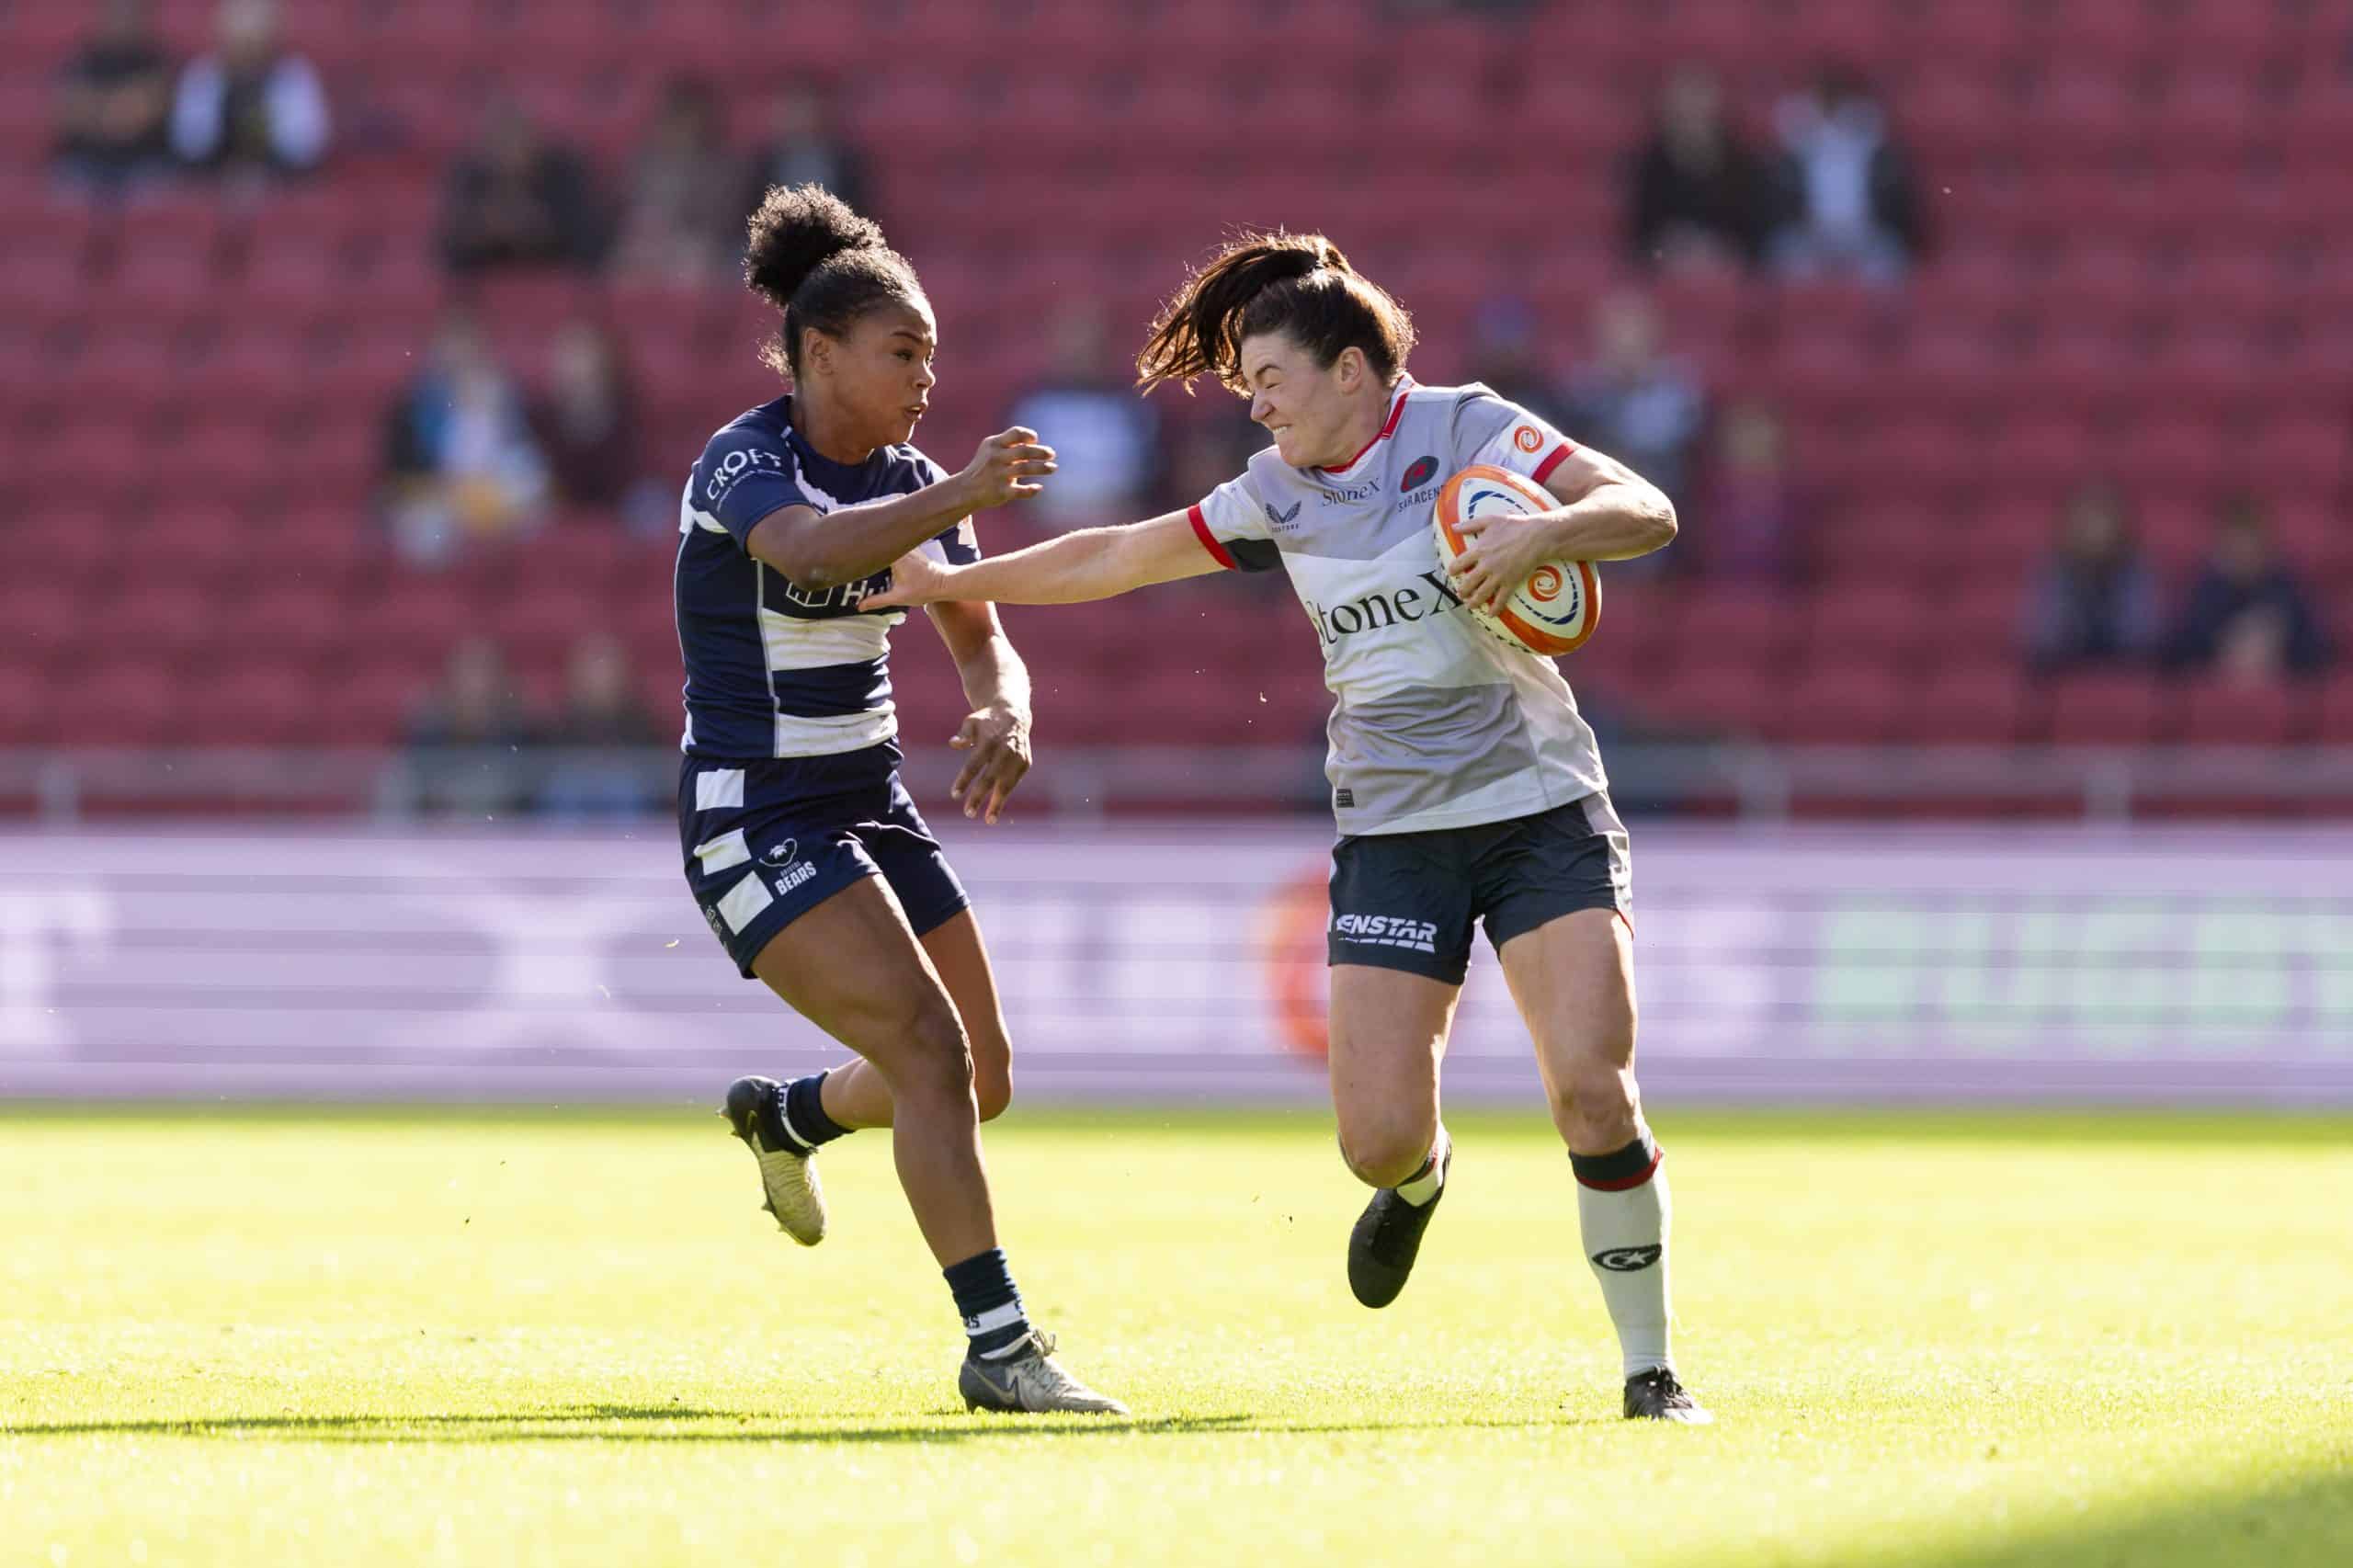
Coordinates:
[1375,612]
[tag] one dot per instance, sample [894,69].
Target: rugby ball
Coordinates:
[1555,611]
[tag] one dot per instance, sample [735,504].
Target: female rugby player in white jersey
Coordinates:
[1466,787]
[809,860]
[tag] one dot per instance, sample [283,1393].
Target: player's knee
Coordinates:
[937,1060]
[1595,1105]
[1385,1152]
[993,1092]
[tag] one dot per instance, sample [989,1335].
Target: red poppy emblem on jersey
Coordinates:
[1526,439]
[1545,585]
[1418,473]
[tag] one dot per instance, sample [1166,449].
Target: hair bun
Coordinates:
[796,229]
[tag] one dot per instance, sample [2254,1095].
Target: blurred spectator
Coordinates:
[1846,197]
[1751,523]
[1103,436]
[1639,405]
[113,103]
[253,108]
[684,215]
[459,458]
[803,147]
[2095,600]
[601,714]
[520,201]
[587,427]
[2247,616]
[1505,356]
[1697,191]
[466,738]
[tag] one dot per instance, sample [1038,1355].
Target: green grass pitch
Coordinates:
[260,1337]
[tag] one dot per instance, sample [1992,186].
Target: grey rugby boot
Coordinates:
[1029,1379]
[1655,1395]
[787,1177]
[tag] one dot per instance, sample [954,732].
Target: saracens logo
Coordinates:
[1418,473]
[1628,1260]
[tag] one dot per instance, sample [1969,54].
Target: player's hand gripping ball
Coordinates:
[1555,608]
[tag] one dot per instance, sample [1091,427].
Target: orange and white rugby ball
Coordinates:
[1556,609]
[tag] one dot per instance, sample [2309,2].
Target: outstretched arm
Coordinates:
[995,733]
[823,549]
[1093,563]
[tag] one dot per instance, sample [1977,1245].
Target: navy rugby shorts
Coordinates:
[1409,900]
[767,841]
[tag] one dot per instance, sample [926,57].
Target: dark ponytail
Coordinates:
[820,264]
[1299,284]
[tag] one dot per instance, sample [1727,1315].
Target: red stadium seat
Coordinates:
[2219,712]
[2108,710]
[1717,697]
[1883,626]
[2333,720]
[2144,227]
[1755,627]
[271,704]
[116,705]
[1982,704]
[46,626]
[1843,703]
[24,705]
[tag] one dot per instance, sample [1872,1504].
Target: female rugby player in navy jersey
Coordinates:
[808,858]
[1468,790]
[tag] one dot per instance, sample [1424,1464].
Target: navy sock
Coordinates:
[1620,1172]
[993,1320]
[796,1118]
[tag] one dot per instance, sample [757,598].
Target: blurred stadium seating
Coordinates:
[2144,268]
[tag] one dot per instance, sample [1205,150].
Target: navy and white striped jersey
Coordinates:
[774,669]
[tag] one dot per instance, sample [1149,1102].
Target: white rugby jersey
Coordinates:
[1435,722]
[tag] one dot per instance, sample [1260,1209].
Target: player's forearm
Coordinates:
[994,676]
[1613,522]
[824,550]
[1093,563]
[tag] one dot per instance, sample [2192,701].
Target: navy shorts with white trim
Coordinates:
[1409,900]
[767,841]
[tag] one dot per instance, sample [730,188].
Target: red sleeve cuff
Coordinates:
[1544,470]
[1209,540]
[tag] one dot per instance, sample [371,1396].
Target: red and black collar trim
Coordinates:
[1396,412]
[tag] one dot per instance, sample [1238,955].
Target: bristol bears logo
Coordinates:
[1421,472]
[785,858]
[1628,1260]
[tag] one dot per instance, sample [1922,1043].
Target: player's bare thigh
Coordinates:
[1574,981]
[1388,1036]
[852,967]
[961,960]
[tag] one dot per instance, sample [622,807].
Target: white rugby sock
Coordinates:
[1427,1183]
[1623,1211]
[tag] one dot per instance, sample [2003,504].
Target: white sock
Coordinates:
[1623,1211]
[1420,1187]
